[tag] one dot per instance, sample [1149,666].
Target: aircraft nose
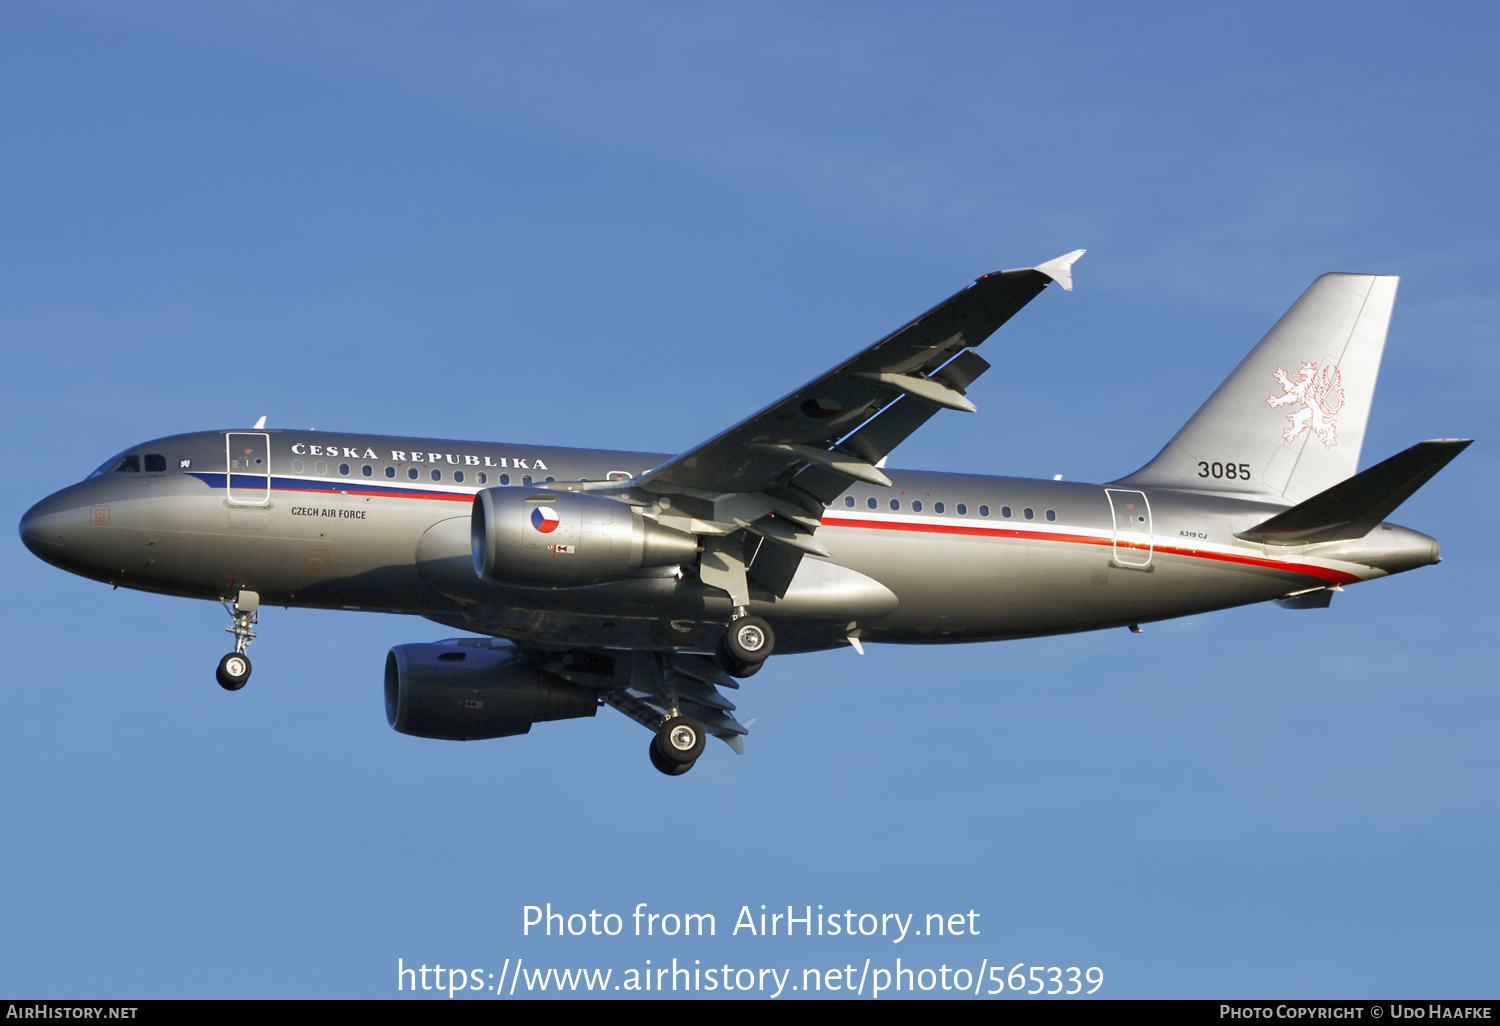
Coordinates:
[42,529]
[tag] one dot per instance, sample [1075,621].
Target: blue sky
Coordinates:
[583,224]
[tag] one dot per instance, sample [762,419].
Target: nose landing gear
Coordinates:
[234,668]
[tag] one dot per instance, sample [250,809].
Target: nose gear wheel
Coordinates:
[234,671]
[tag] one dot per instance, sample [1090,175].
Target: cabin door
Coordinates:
[249,470]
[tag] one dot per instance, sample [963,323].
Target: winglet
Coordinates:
[259,424]
[1061,269]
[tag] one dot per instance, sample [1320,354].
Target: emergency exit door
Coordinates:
[1133,542]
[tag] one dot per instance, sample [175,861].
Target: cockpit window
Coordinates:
[123,462]
[155,463]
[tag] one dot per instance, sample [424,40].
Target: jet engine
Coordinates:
[525,536]
[458,692]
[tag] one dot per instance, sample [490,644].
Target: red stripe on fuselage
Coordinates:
[1305,569]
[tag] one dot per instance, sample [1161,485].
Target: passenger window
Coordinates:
[390,471]
[298,466]
[437,475]
[1005,512]
[849,501]
[483,477]
[937,507]
[321,468]
[1052,514]
[344,469]
[962,510]
[550,480]
[895,504]
[526,479]
[916,505]
[412,473]
[367,470]
[504,479]
[984,511]
[872,503]
[458,476]
[155,463]
[1027,513]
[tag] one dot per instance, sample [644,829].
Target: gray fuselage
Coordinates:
[345,521]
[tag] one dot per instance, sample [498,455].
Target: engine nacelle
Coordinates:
[531,536]
[457,692]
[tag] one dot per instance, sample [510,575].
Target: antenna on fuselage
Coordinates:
[260,423]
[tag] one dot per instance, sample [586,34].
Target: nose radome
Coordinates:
[42,527]
[34,532]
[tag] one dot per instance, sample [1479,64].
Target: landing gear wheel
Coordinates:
[750,639]
[679,740]
[736,667]
[234,671]
[671,769]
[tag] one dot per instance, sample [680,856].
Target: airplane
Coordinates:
[654,583]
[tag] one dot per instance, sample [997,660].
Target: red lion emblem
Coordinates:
[1320,397]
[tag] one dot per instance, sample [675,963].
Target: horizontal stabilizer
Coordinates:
[1352,508]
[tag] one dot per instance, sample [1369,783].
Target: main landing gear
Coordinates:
[234,669]
[675,695]
[746,645]
[677,745]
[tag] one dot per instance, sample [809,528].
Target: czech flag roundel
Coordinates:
[544,519]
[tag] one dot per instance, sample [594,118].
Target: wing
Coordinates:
[848,419]
[768,478]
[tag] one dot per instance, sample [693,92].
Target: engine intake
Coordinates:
[526,536]
[456,692]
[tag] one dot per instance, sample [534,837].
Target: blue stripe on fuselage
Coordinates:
[256,482]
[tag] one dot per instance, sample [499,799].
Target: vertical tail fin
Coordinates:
[1290,421]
